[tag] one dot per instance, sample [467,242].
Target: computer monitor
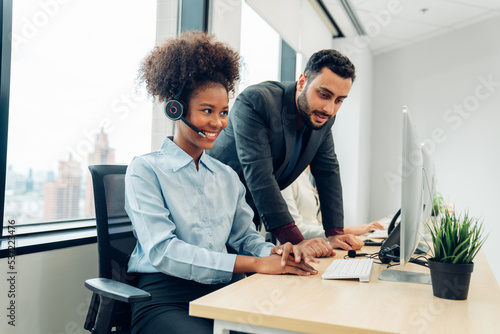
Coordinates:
[404,238]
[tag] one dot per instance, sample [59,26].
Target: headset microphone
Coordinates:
[352,253]
[195,129]
[175,110]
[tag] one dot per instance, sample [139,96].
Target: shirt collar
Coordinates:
[179,159]
[208,162]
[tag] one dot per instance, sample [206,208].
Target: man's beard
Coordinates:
[303,107]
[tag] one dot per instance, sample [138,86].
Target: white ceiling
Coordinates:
[391,24]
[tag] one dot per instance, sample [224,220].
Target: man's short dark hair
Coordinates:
[333,60]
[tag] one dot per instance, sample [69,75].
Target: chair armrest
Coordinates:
[116,290]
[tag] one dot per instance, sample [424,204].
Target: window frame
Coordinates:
[5,60]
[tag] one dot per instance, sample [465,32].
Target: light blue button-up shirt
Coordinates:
[183,218]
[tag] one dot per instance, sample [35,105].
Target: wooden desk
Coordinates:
[291,304]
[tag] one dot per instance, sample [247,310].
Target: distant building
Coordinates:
[61,198]
[102,155]
[30,183]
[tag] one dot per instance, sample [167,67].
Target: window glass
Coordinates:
[74,100]
[259,49]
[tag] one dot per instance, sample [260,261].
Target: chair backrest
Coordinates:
[115,239]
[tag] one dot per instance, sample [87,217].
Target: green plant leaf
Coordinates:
[455,239]
[459,258]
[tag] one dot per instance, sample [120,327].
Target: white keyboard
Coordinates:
[349,268]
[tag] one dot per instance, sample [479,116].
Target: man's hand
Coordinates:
[346,241]
[317,247]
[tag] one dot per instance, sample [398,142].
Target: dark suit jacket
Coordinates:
[258,144]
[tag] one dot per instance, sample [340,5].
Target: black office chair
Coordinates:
[114,290]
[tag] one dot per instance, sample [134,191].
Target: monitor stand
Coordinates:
[404,276]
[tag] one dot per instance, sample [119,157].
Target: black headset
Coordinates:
[175,110]
[388,254]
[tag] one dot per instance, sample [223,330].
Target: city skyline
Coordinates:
[46,196]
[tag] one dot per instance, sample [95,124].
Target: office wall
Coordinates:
[451,84]
[351,133]
[50,296]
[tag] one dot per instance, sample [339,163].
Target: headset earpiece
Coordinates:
[174,109]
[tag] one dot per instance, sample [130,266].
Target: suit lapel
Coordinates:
[289,122]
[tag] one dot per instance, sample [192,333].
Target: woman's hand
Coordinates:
[276,264]
[284,259]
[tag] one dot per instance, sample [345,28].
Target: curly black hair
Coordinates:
[188,62]
[334,60]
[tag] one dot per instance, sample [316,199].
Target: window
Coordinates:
[74,101]
[259,49]
[265,55]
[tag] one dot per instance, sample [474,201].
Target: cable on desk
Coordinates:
[420,262]
[352,254]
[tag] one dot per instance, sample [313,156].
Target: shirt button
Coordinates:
[200,191]
[204,219]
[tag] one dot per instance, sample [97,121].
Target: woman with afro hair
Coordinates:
[187,208]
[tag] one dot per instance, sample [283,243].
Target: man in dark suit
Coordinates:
[275,130]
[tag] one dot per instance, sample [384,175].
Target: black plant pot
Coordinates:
[450,281]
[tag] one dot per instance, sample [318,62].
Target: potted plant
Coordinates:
[455,242]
